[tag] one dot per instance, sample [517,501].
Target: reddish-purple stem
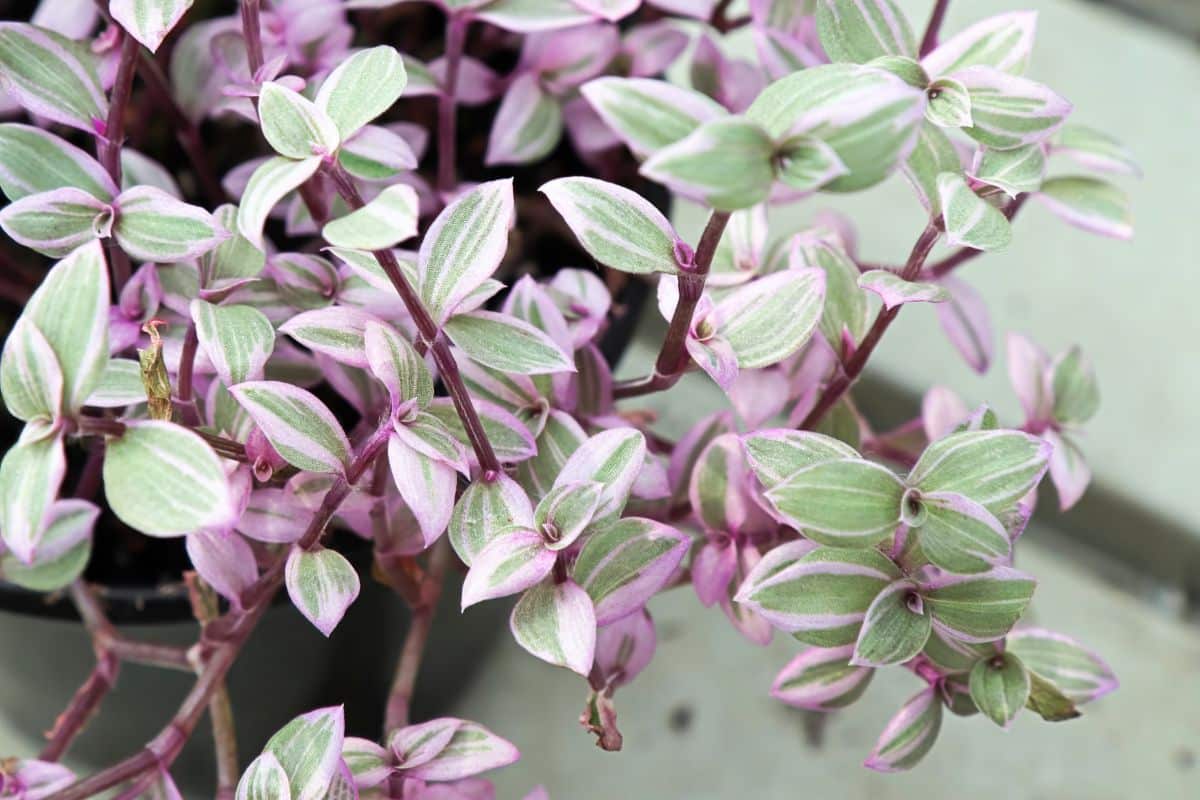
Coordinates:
[930,40]
[447,134]
[252,32]
[108,147]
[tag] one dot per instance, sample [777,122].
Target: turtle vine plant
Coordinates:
[191,318]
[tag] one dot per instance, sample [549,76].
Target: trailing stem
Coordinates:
[447,133]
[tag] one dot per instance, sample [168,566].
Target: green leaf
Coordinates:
[70,309]
[238,340]
[397,365]
[1003,42]
[31,381]
[483,511]
[969,220]
[30,476]
[51,76]
[560,437]
[1007,111]
[1092,148]
[777,454]
[1015,171]
[556,623]
[822,679]
[528,124]
[846,502]
[153,226]
[979,608]
[507,343]
[464,245]
[361,88]
[309,748]
[613,458]
[933,155]
[959,535]
[623,565]
[149,21]
[616,226]
[1080,674]
[725,163]
[33,160]
[1076,396]
[909,735]
[382,223]
[293,126]
[949,104]
[806,163]
[845,309]
[894,629]
[1000,687]
[566,511]
[993,468]
[55,223]
[298,425]
[649,115]
[273,179]
[1048,702]
[511,440]
[264,779]
[955,656]
[1092,204]
[894,290]
[769,319]
[63,551]
[322,584]
[860,30]
[163,480]
[869,117]
[234,258]
[821,598]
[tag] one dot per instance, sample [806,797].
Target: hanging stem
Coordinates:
[108,147]
[672,356]
[854,367]
[930,40]
[252,32]
[447,134]
[220,710]
[428,329]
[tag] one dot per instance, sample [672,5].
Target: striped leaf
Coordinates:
[376,153]
[965,319]
[361,88]
[153,226]
[821,597]
[846,502]
[969,220]
[894,290]
[564,513]
[959,535]
[382,223]
[304,281]
[298,425]
[426,434]
[464,245]
[322,585]
[238,340]
[895,628]
[1000,686]
[309,749]
[149,21]
[1087,146]
[616,226]
[506,343]
[860,30]
[719,486]
[31,381]
[273,179]
[933,155]
[560,437]
[949,104]
[264,779]
[769,319]
[612,458]
[164,480]
[1014,171]
[806,163]
[776,454]
[30,476]
[725,163]
[62,552]
[1007,111]
[397,365]
[625,564]
[953,655]
[649,115]
[528,124]
[417,744]
[33,160]
[978,608]
[909,735]
[869,117]
[993,468]
[511,440]
[1091,204]
[845,309]
[821,679]
[556,623]
[426,484]
[512,562]
[234,258]
[70,308]
[54,223]
[483,511]
[368,763]
[1076,395]
[337,331]
[1003,42]
[471,750]
[293,126]
[51,76]
[1074,670]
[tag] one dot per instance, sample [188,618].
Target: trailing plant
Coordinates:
[324,307]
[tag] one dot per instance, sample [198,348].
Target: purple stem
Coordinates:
[252,32]
[108,147]
[930,40]
[447,141]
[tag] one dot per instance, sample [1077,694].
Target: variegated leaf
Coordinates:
[821,679]
[153,226]
[377,153]
[560,437]
[506,343]
[33,160]
[298,425]
[322,585]
[978,608]
[54,223]
[649,115]
[528,124]
[224,560]
[264,779]
[909,735]
[236,257]
[846,502]
[1091,204]
[895,627]
[309,749]
[556,623]
[777,454]
[949,104]
[1087,146]
[510,438]
[471,750]
[612,458]
[31,381]
[426,484]
[959,535]
[149,21]
[894,290]
[964,317]
[337,331]
[62,551]
[993,468]
[397,365]
[933,155]
[512,562]
[163,480]
[969,220]
[531,16]
[1000,686]
[1007,111]
[382,223]
[845,310]
[725,163]
[769,319]
[293,126]
[860,30]
[483,511]
[272,180]
[623,565]
[1015,171]
[51,76]
[30,476]
[1074,670]
[805,163]
[237,339]
[1003,42]
[361,88]
[564,513]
